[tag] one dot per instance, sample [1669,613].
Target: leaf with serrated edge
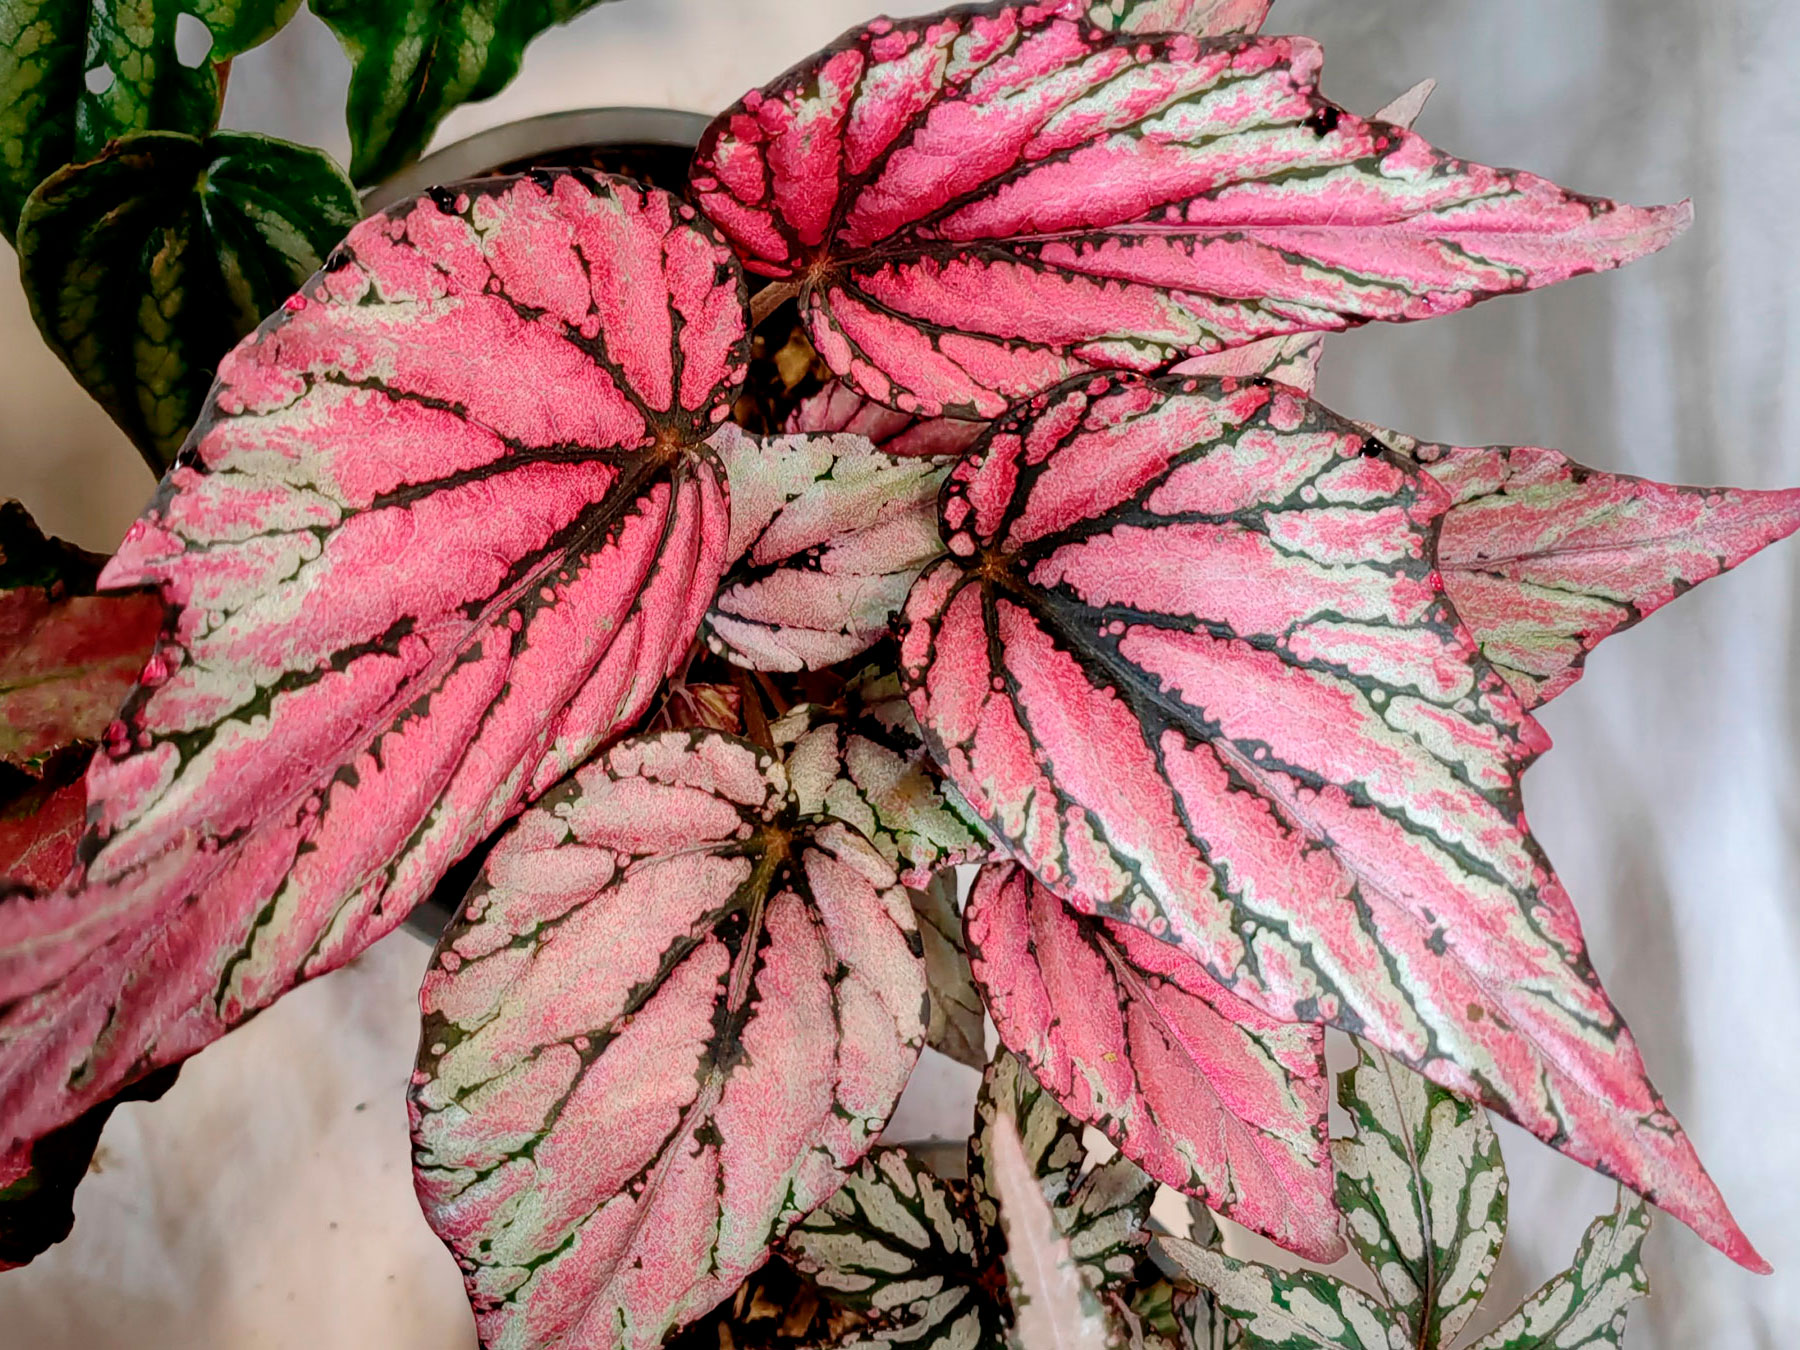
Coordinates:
[671,1017]
[1543,557]
[144,266]
[1423,1191]
[1283,1310]
[1190,660]
[50,116]
[978,204]
[1053,1307]
[900,1243]
[1204,1092]
[413,62]
[958,1020]
[869,768]
[434,541]
[827,534]
[1585,1307]
[1104,1213]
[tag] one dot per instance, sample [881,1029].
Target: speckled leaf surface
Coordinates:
[1585,1307]
[958,1019]
[827,534]
[1104,1212]
[672,1016]
[1544,557]
[838,407]
[867,765]
[1202,18]
[1292,360]
[900,1243]
[1190,660]
[978,204]
[413,62]
[442,531]
[1053,1306]
[49,49]
[39,828]
[144,266]
[1202,1091]
[1423,1191]
[1289,1310]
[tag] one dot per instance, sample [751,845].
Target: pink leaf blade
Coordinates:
[979,204]
[448,522]
[1205,1093]
[674,1015]
[838,407]
[1544,558]
[1191,662]
[827,535]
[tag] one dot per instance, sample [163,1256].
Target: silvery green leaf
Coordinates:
[1584,1307]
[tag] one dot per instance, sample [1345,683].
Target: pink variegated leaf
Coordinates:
[673,1015]
[827,534]
[1202,1091]
[867,766]
[1291,360]
[975,205]
[1202,18]
[1190,660]
[448,521]
[838,407]
[1543,557]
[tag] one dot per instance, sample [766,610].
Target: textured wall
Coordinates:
[266,1202]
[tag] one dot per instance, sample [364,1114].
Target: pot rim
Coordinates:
[546,133]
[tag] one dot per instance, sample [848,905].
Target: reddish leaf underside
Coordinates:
[976,205]
[827,534]
[838,407]
[1189,659]
[671,1018]
[66,664]
[38,832]
[1204,1092]
[446,524]
[1544,557]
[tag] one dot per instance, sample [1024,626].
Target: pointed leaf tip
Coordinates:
[1405,109]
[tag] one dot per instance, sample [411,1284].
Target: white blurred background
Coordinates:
[266,1202]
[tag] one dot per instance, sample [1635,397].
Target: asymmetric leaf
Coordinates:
[447,524]
[672,1016]
[1289,1310]
[1202,1091]
[900,1242]
[1584,1308]
[1104,1213]
[973,206]
[869,768]
[1423,1190]
[827,535]
[146,265]
[1543,557]
[1053,1307]
[838,407]
[413,62]
[1190,660]
[958,1019]
[50,50]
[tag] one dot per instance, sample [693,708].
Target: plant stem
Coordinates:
[766,301]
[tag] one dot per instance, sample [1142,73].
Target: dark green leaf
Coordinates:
[898,1243]
[75,74]
[1423,1192]
[37,1182]
[1584,1308]
[144,267]
[414,61]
